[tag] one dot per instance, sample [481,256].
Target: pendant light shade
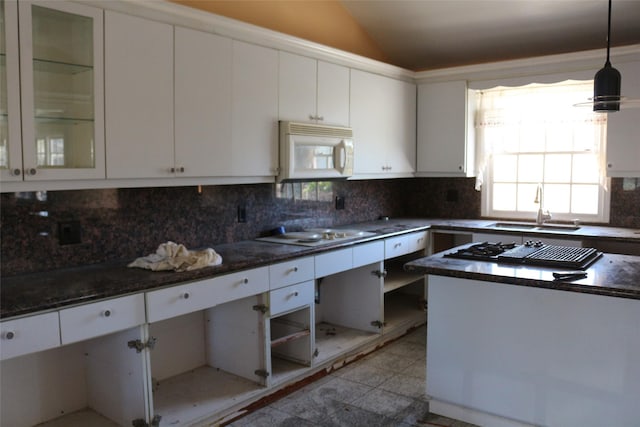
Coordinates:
[606,84]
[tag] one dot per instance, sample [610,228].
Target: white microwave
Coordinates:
[314,152]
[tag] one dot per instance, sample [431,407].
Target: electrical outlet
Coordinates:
[69,233]
[242,214]
[339,202]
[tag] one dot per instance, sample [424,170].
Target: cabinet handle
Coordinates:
[30,171]
[9,335]
[294,270]
[460,167]
[16,172]
[106,313]
[186,295]
[245,280]
[312,117]
[320,118]
[609,165]
[181,169]
[397,245]
[294,294]
[172,170]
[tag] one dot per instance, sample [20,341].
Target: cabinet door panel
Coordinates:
[254,111]
[442,130]
[138,97]
[333,94]
[101,318]
[296,87]
[61,56]
[29,335]
[202,103]
[11,140]
[623,127]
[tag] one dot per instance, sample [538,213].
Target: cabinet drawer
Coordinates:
[290,272]
[28,335]
[417,241]
[333,262]
[101,318]
[190,297]
[396,246]
[291,297]
[368,253]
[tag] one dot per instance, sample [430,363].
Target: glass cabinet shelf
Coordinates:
[57,67]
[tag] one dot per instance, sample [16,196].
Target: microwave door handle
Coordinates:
[340,156]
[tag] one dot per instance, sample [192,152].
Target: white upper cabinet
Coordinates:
[10,132]
[383,118]
[445,147]
[203,93]
[139,97]
[623,127]
[60,47]
[312,90]
[254,111]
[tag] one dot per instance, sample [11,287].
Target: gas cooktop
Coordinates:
[530,253]
[316,236]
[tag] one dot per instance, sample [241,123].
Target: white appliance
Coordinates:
[314,152]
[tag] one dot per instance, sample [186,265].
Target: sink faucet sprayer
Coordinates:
[543,215]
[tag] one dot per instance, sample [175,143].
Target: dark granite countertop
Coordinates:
[611,275]
[36,292]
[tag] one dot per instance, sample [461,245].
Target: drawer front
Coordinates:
[290,272]
[417,241]
[396,246]
[291,297]
[368,253]
[333,262]
[29,335]
[243,284]
[182,299]
[101,318]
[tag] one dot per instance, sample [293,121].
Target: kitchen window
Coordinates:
[534,135]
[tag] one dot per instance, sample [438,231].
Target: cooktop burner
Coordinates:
[530,253]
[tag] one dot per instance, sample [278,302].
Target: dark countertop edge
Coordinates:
[145,280]
[456,268]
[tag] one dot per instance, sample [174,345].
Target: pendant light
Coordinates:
[606,84]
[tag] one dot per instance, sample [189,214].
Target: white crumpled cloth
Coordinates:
[176,257]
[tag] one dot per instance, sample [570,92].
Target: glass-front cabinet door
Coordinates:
[10,138]
[61,60]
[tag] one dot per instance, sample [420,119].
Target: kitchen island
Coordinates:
[507,345]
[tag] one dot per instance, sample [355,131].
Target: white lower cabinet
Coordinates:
[97,382]
[205,362]
[195,353]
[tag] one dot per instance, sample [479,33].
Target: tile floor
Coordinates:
[385,388]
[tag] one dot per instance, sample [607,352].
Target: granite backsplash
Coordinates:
[120,224]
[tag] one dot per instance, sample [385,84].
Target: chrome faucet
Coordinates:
[543,215]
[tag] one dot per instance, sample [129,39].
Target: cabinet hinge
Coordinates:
[261,307]
[378,324]
[316,353]
[139,345]
[379,273]
[139,422]
[261,373]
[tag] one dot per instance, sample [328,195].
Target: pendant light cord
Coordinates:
[609,33]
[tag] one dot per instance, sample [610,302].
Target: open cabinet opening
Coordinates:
[205,361]
[98,382]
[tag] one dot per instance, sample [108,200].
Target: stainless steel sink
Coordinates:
[532,226]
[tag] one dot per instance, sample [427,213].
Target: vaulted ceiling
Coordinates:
[430,34]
